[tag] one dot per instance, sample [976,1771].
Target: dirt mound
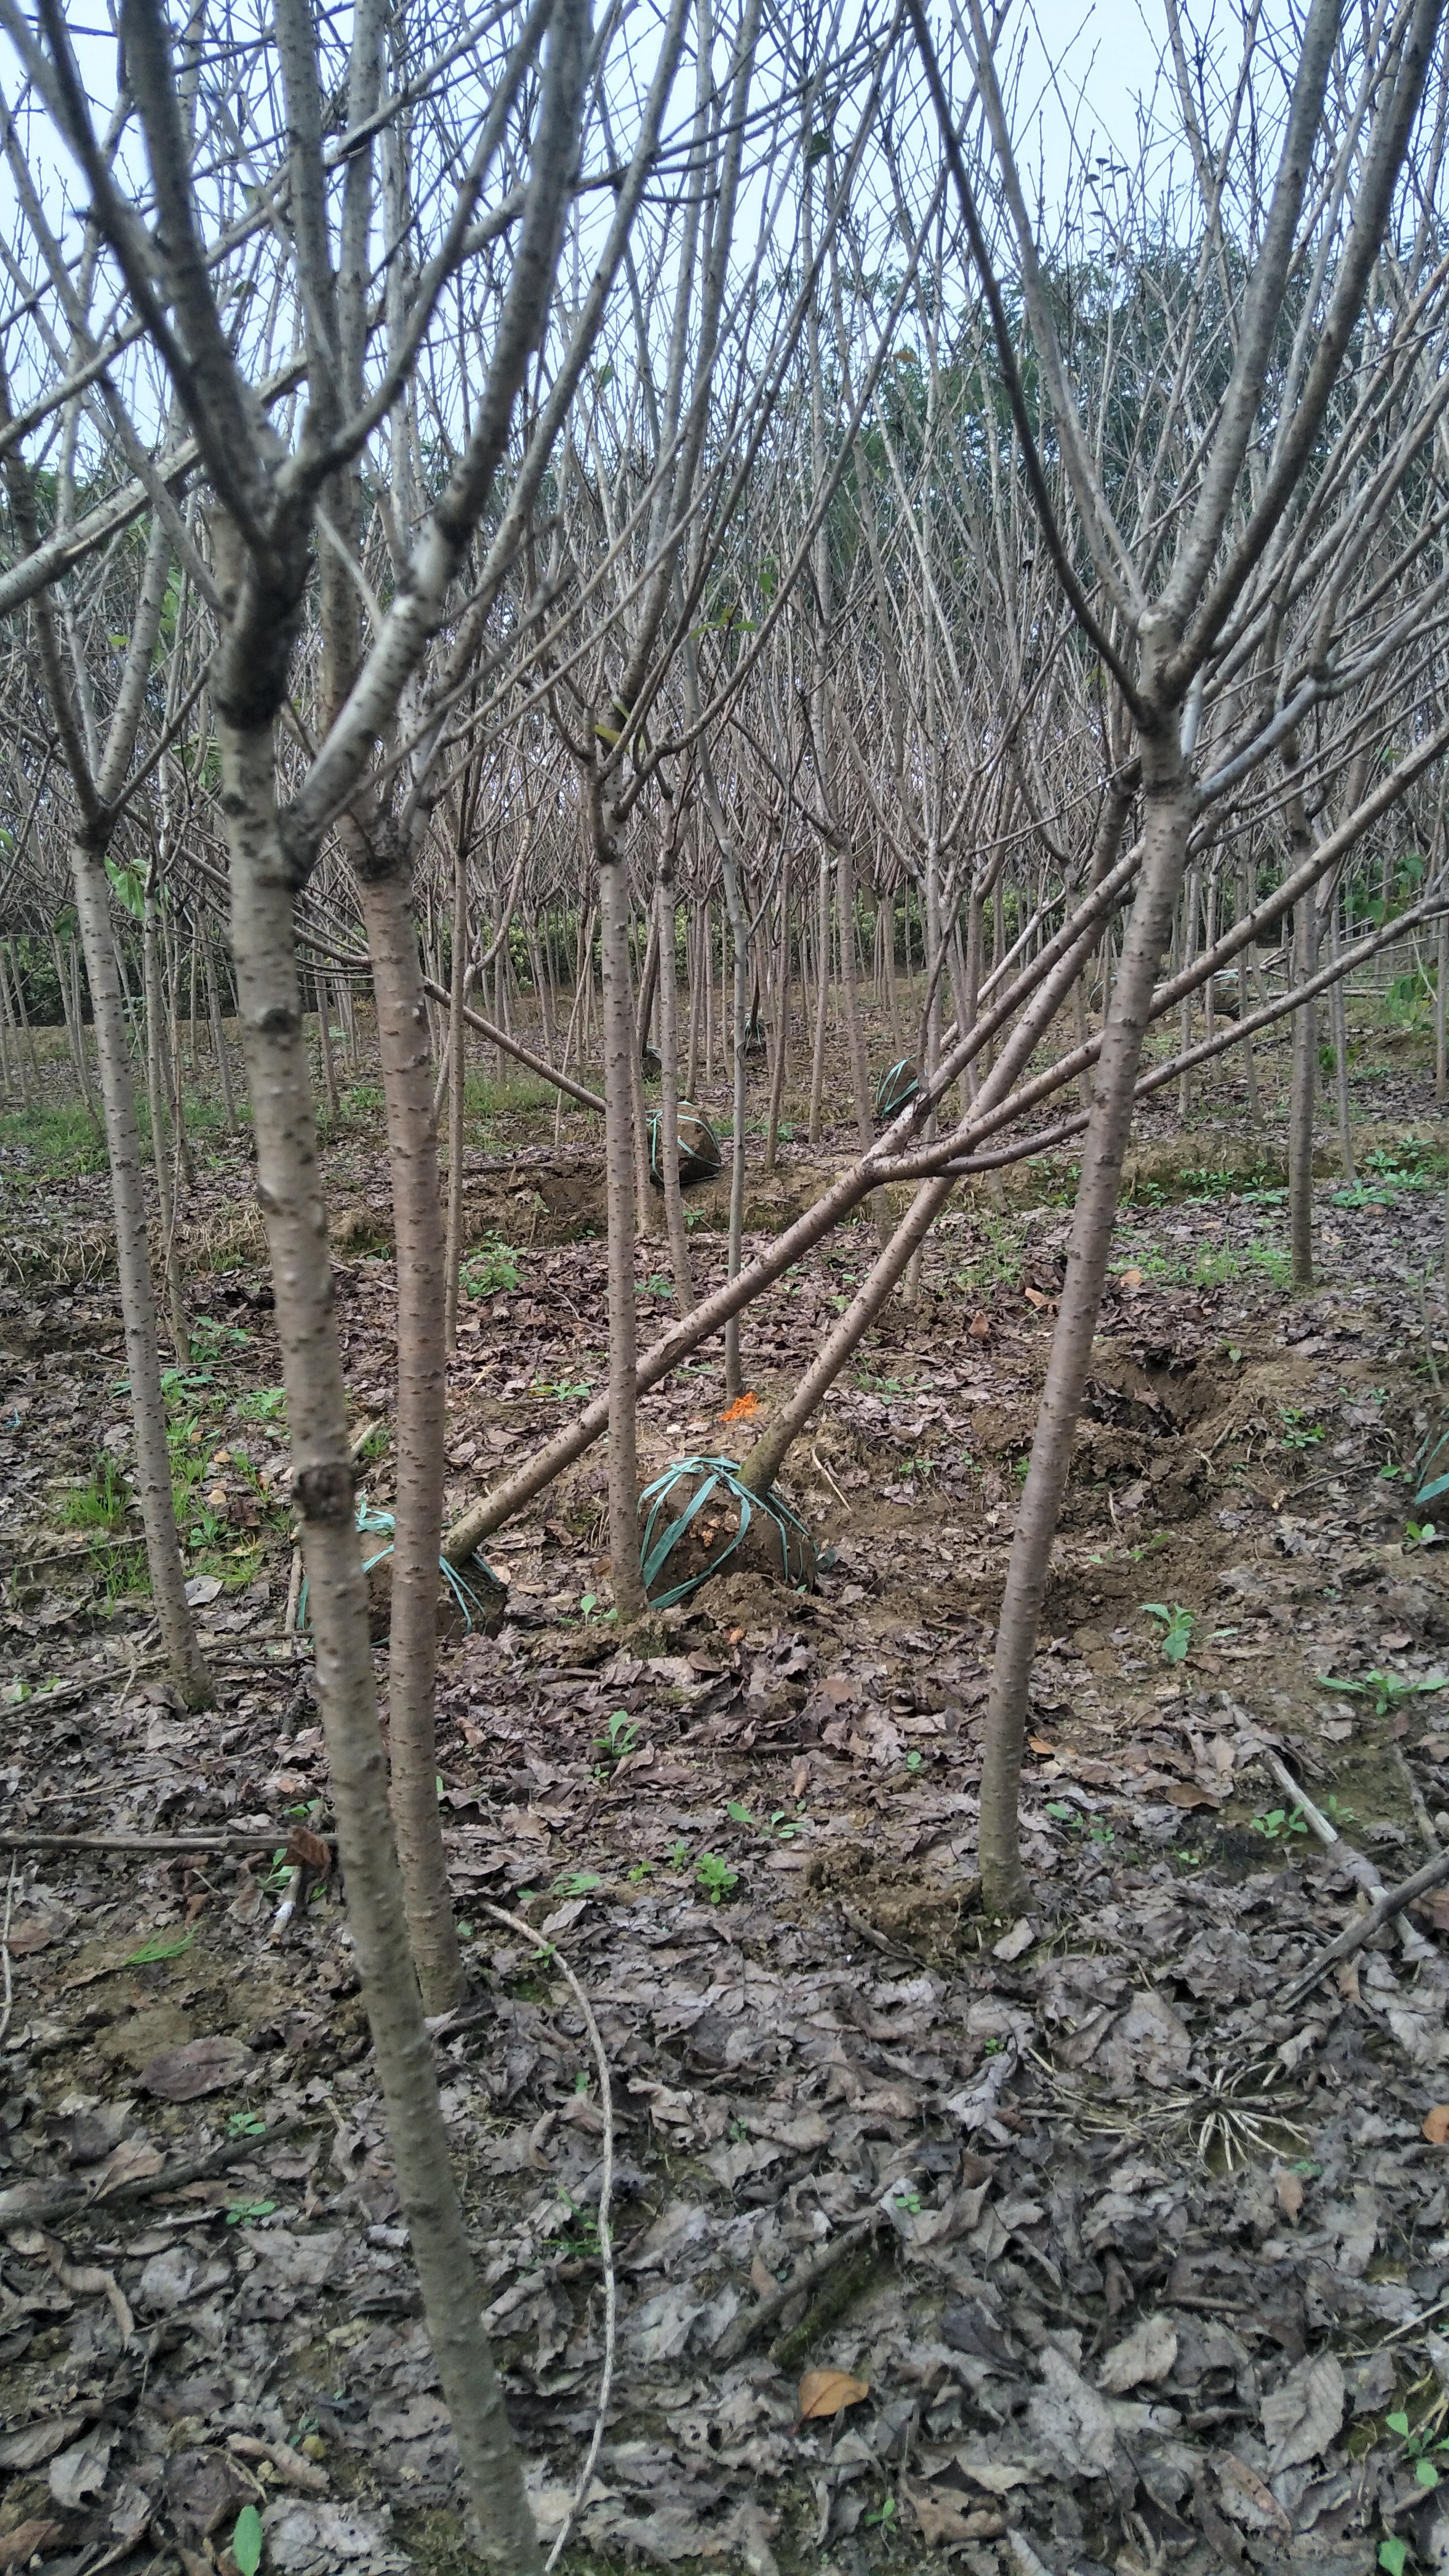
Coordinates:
[917,1915]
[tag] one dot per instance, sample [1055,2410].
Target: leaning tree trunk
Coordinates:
[419,1430]
[1167,798]
[290,1192]
[138,1302]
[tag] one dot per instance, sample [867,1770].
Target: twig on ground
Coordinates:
[9,1994]
[1428,1832]
[741,2334]
[1313,1817]
[75,2196]
[830,1480]
[513,1923]
[265,1838]
[1390,1902]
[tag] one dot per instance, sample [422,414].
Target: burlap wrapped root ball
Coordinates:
[697,1520]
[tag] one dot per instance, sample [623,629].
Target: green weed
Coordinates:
[267,1404]
[1177,1628]
[1386,1689]
[1278,1824]
[491,1269]
[99,1505]
[715,1876]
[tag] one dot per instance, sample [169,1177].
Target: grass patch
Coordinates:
[97,1507]
[486,1100]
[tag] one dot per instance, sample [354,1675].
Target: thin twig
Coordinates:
[5,2007]
[805,2277]
[830,1480]
[514,1923]
[1392,1901]
[74,2196]
[1313,1817]
[265,1838]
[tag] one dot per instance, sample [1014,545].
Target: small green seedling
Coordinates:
[1420,1534]
[1076,1823]
[1300,1431]
[1278,1824]
[641,1869]
[242,2212]
[1418,2448]
[679,1857]
[620,1737]
[1386,1689]
[246,2540]
[780,1823]
[715,1876]
[577,1882]
[162,1945]
[491,1270]
[1177,1627]
[913,1761]
[246,2124]
[1393,2556]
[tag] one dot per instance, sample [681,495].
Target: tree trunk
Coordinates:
[419,1430]
[822,994]
[1302,1097]
[289,1188]
[457,1090]
[674,1225]
[1167,799]
[620,1070]
[138,1304]
[1338,1011]
[156,1089]
[218,1039]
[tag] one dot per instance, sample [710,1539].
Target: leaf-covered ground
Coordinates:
[1126,2265]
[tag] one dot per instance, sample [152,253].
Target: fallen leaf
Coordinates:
[1129,1278]
[1186,1793]
[1247,2498]
[1143,2359]
[134,2160]
[979,1328]
[1070,2419]
[950,2517]
[1302,2415]
[824,2392]
[202,1589]
[33,1932]
[1016,1941]
[1289,2188]
[762,2280]
[1035,1298]
[28,2540]
[200,2066]
[1436,2124]
[998,2477]
[308,1850]
[80,2473]
[36,2442]
[1039,1744]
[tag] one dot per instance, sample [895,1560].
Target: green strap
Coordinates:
[372,1523]
[716,1473]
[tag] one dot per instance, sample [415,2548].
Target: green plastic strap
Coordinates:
[716,1472]
[375,1524]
